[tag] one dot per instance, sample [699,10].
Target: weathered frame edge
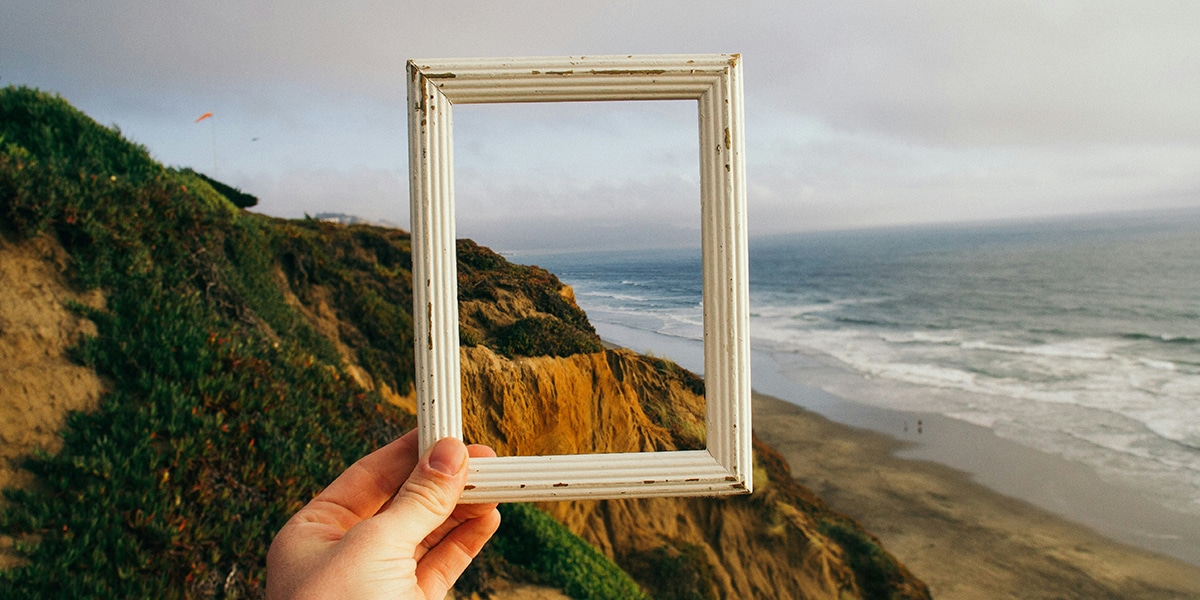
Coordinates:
[714,81]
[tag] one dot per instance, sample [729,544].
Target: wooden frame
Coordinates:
[714,81]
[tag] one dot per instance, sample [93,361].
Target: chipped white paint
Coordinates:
[715,82]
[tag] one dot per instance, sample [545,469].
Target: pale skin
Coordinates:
[389,527]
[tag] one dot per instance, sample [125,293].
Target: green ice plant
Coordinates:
[532,539]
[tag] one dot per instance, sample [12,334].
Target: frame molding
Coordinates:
[715,82]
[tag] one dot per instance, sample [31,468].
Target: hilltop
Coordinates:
[236,363]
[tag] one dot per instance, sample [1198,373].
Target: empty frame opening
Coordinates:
[574,176]
[606,196]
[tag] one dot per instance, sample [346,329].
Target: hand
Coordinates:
[388,527]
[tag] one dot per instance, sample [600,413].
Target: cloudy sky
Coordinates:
[858,114]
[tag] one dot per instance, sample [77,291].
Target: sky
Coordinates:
[858,113]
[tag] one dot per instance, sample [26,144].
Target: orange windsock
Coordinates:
[204,116]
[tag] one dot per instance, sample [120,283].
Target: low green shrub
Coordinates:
[875,571]
[674,571]
[484,274]
[239,198]
[544,336]
[529,538]
[67,140]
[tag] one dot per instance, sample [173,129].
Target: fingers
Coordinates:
[448,550]
[462,512]
[444,563]
[360,491]
[430,495]
[480,451]
[371,523]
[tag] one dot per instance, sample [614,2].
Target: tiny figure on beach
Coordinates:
[920,426]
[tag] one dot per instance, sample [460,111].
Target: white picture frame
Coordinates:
[714,81]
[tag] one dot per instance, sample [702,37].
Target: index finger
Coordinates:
[366,485]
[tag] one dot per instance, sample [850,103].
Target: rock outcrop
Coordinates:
[764,545]
[581,404]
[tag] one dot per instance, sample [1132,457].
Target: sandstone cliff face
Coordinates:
[758,546]
[585,403]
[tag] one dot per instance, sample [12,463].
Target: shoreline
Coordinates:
[964,539]
[1070,490]
[980,516]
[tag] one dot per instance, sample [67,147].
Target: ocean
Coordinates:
[1076,337]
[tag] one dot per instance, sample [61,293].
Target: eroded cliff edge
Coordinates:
[574,396]
[767,545]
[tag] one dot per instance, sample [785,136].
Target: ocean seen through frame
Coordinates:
[1078,337]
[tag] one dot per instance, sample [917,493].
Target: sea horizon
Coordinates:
[1078,338]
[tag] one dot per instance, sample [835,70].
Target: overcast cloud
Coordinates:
[858,113]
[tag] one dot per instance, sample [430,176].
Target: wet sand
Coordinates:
[964,539]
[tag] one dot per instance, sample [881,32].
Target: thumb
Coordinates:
[426,500]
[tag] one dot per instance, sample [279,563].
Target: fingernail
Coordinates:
[448,456]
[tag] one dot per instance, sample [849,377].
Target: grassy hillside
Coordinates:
[251,359]
[227,409]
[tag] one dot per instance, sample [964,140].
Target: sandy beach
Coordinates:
[962,538]
[972,514]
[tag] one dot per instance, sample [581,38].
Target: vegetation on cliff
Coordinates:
[251,359]
[228,410]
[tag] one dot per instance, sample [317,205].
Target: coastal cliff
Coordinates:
[572,396]
[247,360]
[767,545]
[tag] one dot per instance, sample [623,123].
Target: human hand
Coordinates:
[390,526]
